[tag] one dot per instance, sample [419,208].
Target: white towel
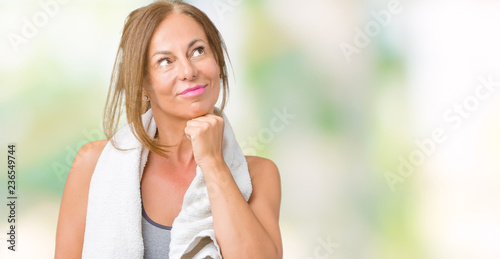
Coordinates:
[113,225]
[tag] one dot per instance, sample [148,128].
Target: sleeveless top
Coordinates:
[156,238]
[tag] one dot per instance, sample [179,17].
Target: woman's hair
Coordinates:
[131,67]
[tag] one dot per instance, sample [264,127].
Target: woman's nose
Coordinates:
[187,70]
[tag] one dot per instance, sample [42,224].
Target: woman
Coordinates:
[171,60]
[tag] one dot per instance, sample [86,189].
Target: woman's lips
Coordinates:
[193,91]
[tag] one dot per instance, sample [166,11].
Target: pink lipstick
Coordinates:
[193,91]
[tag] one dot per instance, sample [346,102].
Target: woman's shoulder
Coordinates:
[81,171]
[266,187]
[90,152]
[86,158]
[262,169]
[94,147]
[261,162]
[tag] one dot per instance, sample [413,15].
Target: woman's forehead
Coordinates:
[176,31]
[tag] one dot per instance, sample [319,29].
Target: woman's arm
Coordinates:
[246,230]
[265,200]
[73,210]
[243,230]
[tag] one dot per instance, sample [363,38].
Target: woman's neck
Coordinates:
[171,133]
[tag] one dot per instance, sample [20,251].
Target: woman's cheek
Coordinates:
[211,68]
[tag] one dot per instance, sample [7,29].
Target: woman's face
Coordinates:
[183,77]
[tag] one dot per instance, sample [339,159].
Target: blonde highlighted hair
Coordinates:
[131,64]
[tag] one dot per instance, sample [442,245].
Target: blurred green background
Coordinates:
[365,86]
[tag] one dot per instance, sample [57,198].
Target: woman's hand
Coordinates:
[205,133]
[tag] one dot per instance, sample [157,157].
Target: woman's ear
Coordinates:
[145,100]
[145,95]
[145,91]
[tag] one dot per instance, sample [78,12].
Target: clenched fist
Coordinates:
[205,133]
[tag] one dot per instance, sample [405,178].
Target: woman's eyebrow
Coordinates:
[193,42]
[165,52]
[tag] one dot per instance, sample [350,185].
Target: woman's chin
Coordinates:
[200,112]
[190,112]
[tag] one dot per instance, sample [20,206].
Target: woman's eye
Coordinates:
[165,62]
[198,51]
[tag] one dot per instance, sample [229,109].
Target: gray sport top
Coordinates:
[156,238]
